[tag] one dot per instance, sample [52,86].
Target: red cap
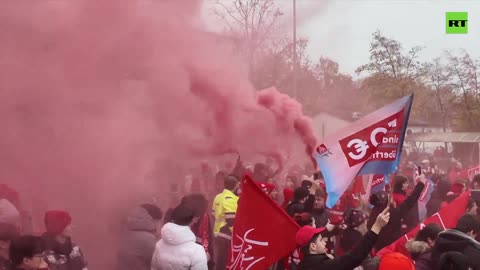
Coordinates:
[306,233]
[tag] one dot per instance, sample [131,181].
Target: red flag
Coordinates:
[263,232]
[447,218]
[358,187]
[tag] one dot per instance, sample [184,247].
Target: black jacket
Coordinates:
[296,207]
[346,262]
[453,240]
[393,230]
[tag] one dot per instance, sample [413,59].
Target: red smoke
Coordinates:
[97,94]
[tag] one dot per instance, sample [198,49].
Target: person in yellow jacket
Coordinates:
[224,209]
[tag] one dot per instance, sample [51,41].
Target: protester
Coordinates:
[460,239]
[62,253]
[420,248]
[202,226]
[393,230]
[439,195]
[319,211]
[138,243]
[303,198]
[399,195]
[177,248]
[312,243]
[356,222]
[28,252]
[224,210]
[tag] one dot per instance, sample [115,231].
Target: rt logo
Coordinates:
[457,22]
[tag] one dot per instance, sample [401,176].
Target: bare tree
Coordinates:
[465,72]
[252,20]
[439,78]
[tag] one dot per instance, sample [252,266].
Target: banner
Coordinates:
[263,232]
[371,145]
[447,218]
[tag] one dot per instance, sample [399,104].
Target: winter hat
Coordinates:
[354,217]
[56,221]
[395,261]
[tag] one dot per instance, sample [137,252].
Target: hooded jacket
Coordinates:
[177,250]
[138,244]
[421,254]
[454,240]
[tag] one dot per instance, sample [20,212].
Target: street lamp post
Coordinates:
[294,70]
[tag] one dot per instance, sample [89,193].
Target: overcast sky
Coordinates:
[342,29]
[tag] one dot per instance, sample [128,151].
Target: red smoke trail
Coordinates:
[97,94]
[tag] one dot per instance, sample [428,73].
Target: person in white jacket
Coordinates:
[177,249]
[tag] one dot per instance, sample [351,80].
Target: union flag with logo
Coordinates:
[370,145]
[263,232]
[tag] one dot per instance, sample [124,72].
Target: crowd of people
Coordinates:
[196,233]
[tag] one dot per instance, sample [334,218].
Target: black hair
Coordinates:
[306,184]
[430,231]
[26,246]
[303,219]
[154,211]
[197,202]
[8,232]
[468,223]
[231,182]
[399,180]
[183,215]
[300,193]
[306,249]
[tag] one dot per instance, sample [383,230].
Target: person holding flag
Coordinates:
[393,230]
[312,244]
